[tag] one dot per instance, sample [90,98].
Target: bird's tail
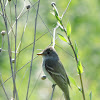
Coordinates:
[66,95]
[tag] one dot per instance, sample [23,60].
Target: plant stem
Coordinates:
[63,28]
[32,50]
[9,48]
[53,86]
[83,94]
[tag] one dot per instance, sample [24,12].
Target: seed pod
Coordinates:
[28,6]
[53,4]
[3,32]
[43,77]
[13,60]
[0,49]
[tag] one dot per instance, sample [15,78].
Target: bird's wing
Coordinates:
[57,72]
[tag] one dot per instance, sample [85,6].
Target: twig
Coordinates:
[65,9]
[77,60]
[31,43]
[63,28]
[35,85]
[19,46]
[32,50]
[54,32]
[9,49]
[1,81]
[15,89]
[44,23]
[65,51]
[23,78]
[53,86]
[20,15]
[19,70]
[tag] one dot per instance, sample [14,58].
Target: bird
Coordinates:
[54,70]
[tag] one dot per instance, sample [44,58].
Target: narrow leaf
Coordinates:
[52,12]
[60,26]
[56,12]
[68,29]
[79,89]
[62,37]
[72,81]
[76,49]
[79,67]
[90,95]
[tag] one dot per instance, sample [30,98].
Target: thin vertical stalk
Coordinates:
[62,26]
[19,46]
[53,86]
[66,9]
[54,32]
[83,94]
[15,89]
[1,81]
[18,70]
[9,49]
[44,24]
[32,50]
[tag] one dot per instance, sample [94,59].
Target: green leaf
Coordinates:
[52,12]
[62,37]
[90,95]
[76,49]
[60,26]
[68,29]
[58,17]
[72,81]
[56,12]
[79,89]
[79,67]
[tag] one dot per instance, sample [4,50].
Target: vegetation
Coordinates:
[34,22]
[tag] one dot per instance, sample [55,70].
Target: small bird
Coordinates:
[54,70]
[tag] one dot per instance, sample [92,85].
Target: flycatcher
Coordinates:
[54,70]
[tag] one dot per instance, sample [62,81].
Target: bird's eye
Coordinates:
[48,52]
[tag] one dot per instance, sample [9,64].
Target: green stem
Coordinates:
[60,21]
[83,94]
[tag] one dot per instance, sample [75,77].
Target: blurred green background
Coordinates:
[84,16]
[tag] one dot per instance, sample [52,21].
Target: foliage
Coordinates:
[84,19]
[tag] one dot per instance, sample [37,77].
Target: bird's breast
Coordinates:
[46,73]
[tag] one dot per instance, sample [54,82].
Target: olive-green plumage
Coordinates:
[55,71]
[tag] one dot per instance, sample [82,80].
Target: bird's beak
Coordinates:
[41,53]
